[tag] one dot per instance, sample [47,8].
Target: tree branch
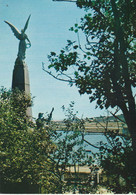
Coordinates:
[117,117]
[90,144]
[70,80]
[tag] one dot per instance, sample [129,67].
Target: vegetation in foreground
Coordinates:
[37,154]
[24,148]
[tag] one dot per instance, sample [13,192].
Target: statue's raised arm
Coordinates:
[22,37]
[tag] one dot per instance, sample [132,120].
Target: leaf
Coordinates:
[76,30]
[53,54]
[75,46]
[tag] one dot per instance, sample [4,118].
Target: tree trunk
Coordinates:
[128,108]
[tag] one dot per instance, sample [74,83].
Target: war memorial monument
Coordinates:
[20,78]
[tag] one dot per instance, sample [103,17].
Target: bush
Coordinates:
[24,148]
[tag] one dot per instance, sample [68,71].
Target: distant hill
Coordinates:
[102,124]
[109,118]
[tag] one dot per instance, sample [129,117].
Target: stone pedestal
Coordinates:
[20,80]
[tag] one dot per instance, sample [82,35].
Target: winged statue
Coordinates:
[24,41]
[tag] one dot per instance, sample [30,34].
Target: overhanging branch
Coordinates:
[69,80]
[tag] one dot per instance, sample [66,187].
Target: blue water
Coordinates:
[89,146]
[94,139]
[91,143]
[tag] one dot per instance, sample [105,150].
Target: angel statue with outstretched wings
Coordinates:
[24,41]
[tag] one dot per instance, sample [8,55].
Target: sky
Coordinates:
[48,31]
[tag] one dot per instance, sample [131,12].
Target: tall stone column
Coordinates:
[20,80]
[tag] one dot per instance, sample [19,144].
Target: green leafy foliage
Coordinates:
[104,67]
[70,150]
[116,161]
[37,153]
[43,154]
[24,148]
